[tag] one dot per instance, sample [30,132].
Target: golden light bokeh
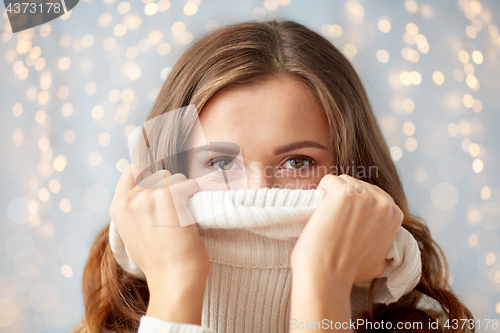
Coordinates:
[151,8]
[65,205]
[64,63]
[396,153]
[412,29]
[120,30]
[163,5]
[474,149]
[335,30]
[97,112]
[40,116]
[472,240]
[384,24]
[408,105]
[411,144]
[438,77]
[104,139]
[354,8]
[124,7]
[382,56]
[155,37]
[66,271]
[490,259]
[411,6]
[463,56]
[60,162]
[190,9]
[477,57]
[54,186]
[477,165]
[43,194]
[485,193]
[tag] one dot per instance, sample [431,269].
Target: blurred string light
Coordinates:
[444,196]
[471,57]
[47,101]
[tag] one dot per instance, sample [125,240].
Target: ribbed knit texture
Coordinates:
[249,236]
[154,325]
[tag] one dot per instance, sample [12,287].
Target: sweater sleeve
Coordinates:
[155,325]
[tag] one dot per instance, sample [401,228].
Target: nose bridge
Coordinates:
[259,175]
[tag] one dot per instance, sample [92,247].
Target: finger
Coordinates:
[169,180]
[141,173]
[348,179]
[370,187]
[400,214]
[358,183]
[151,180]
[377,188]
[180,193]
[377,191]
[127,181]
[185,188]
[382,192]
[176,178]
[329,182]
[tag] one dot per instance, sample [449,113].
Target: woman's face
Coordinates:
[270,134]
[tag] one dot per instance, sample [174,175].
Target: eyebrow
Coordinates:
[298,145]
[219,147]
[233,149]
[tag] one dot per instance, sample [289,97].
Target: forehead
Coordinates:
[272,112]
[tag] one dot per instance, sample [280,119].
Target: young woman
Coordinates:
[291,101]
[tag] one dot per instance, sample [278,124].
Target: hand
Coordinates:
[349,235]
[173,258]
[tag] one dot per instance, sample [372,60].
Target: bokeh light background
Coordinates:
[72,89]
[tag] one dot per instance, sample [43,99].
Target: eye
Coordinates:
[223,163]
[298,162]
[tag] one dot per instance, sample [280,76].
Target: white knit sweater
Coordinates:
[249,236]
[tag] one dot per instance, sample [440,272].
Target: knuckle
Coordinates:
[143,199]
[330,184]
[370,199]
[162,196]
[327,179]
[119,206]
[130,167]
[124,202]
[352,191]
[180,175]
[346,194]
[360,189]
[399,213]
[384,204]
[400,217]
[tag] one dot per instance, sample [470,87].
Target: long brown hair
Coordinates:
[248,53]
